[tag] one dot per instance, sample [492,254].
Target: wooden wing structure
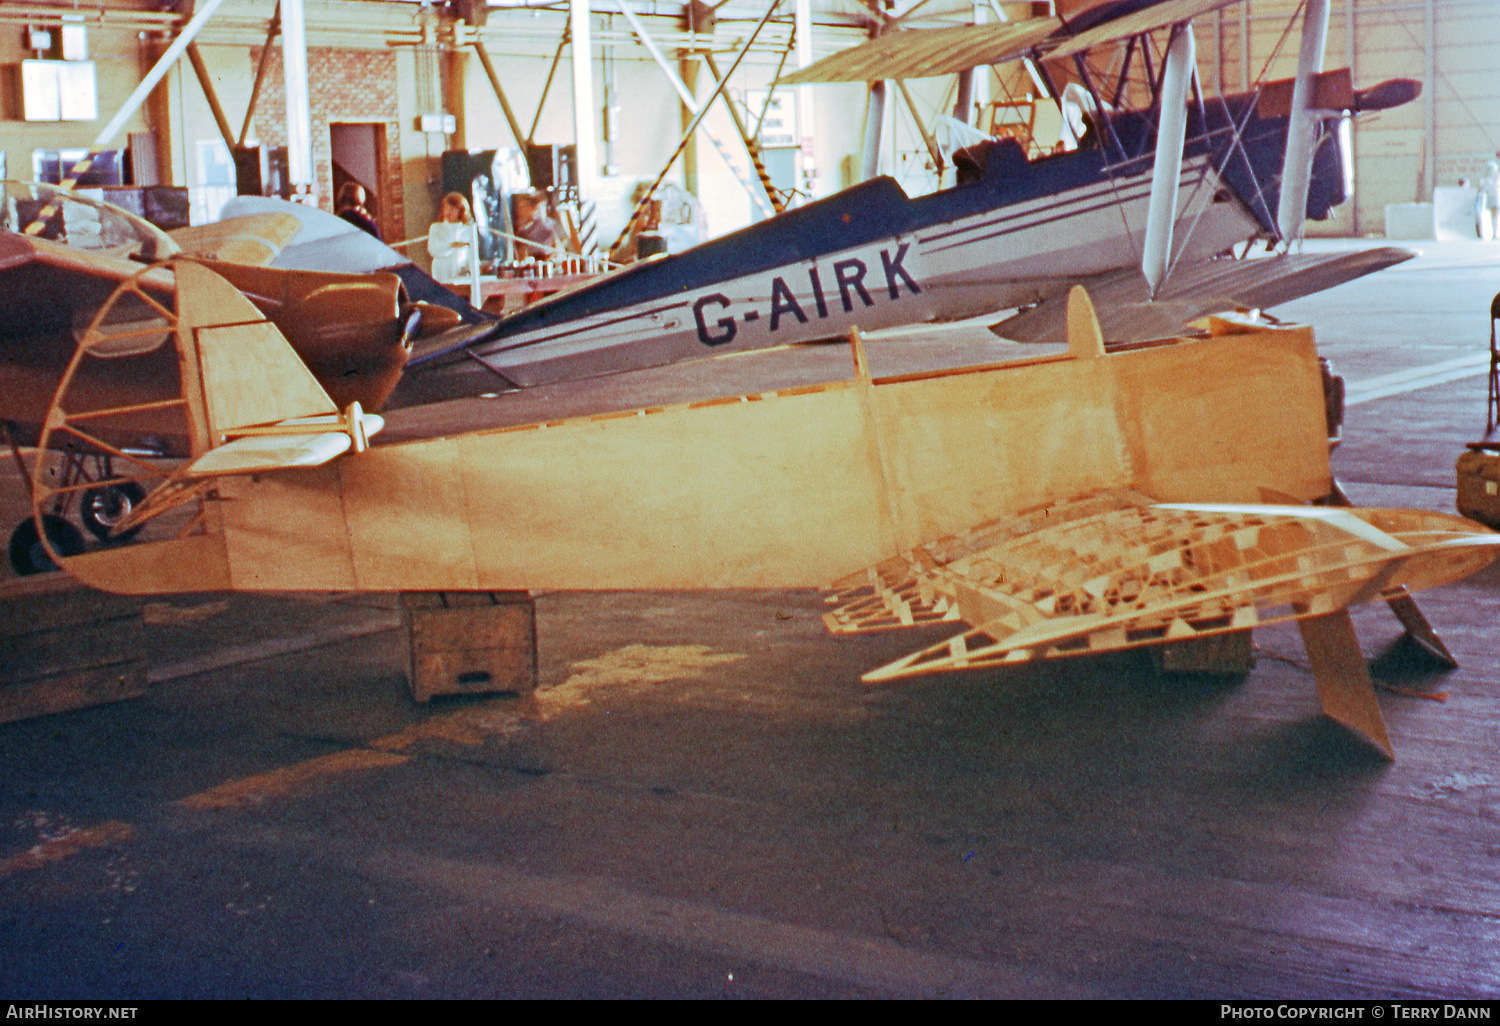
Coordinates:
[798,487]
[1116,570]
[923,53]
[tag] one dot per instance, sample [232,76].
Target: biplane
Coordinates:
[353,330]
[1163,183]
[1055,505]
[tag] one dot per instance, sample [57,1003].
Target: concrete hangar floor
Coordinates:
[704,801]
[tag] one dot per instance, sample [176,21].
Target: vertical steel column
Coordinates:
[299,158]
[963,103]
[1245,47]
[1349,61]
[687,67]
[1219,51]
[584,135]
[874,128]
[802,28]
[1429,108]
[979,86]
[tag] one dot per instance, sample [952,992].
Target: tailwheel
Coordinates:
[103,508]
[28,555]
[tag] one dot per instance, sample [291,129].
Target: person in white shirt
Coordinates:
[1489,185]
[449,238]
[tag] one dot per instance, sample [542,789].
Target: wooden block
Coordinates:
[1230,654]
[67,648]
[76,689]
[466,643]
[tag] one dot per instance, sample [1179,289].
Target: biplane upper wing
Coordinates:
[1116,570]
[1195,291]
[923,53]
[1133,19]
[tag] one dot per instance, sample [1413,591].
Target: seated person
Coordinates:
[533,224]
[351,207]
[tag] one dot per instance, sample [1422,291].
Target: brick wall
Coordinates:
[344,86]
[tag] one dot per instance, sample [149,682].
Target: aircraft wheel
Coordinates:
[29,556]
[106,506]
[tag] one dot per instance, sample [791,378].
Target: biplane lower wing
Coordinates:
[1128,314]
[1116,570]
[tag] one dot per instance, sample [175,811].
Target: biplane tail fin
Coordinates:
[247,373]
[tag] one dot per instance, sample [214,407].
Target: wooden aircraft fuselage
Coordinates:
[920,497]
[792,488]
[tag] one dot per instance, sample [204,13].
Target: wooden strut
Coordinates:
[1344,686]
[752,144]
[272,31]
[211,95]
[688,135]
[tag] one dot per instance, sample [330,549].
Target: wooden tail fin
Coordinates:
[248,372]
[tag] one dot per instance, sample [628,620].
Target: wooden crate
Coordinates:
[470,642]
[66,647]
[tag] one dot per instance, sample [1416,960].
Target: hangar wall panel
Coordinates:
[1400,155]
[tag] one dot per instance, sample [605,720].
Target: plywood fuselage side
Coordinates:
[788,489]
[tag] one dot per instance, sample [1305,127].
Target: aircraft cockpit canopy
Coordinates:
[81,220]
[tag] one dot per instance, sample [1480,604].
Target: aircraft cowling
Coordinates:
[347,328]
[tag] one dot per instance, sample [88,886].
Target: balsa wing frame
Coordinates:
[1139,574]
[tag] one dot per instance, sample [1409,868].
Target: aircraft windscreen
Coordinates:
[81,221]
